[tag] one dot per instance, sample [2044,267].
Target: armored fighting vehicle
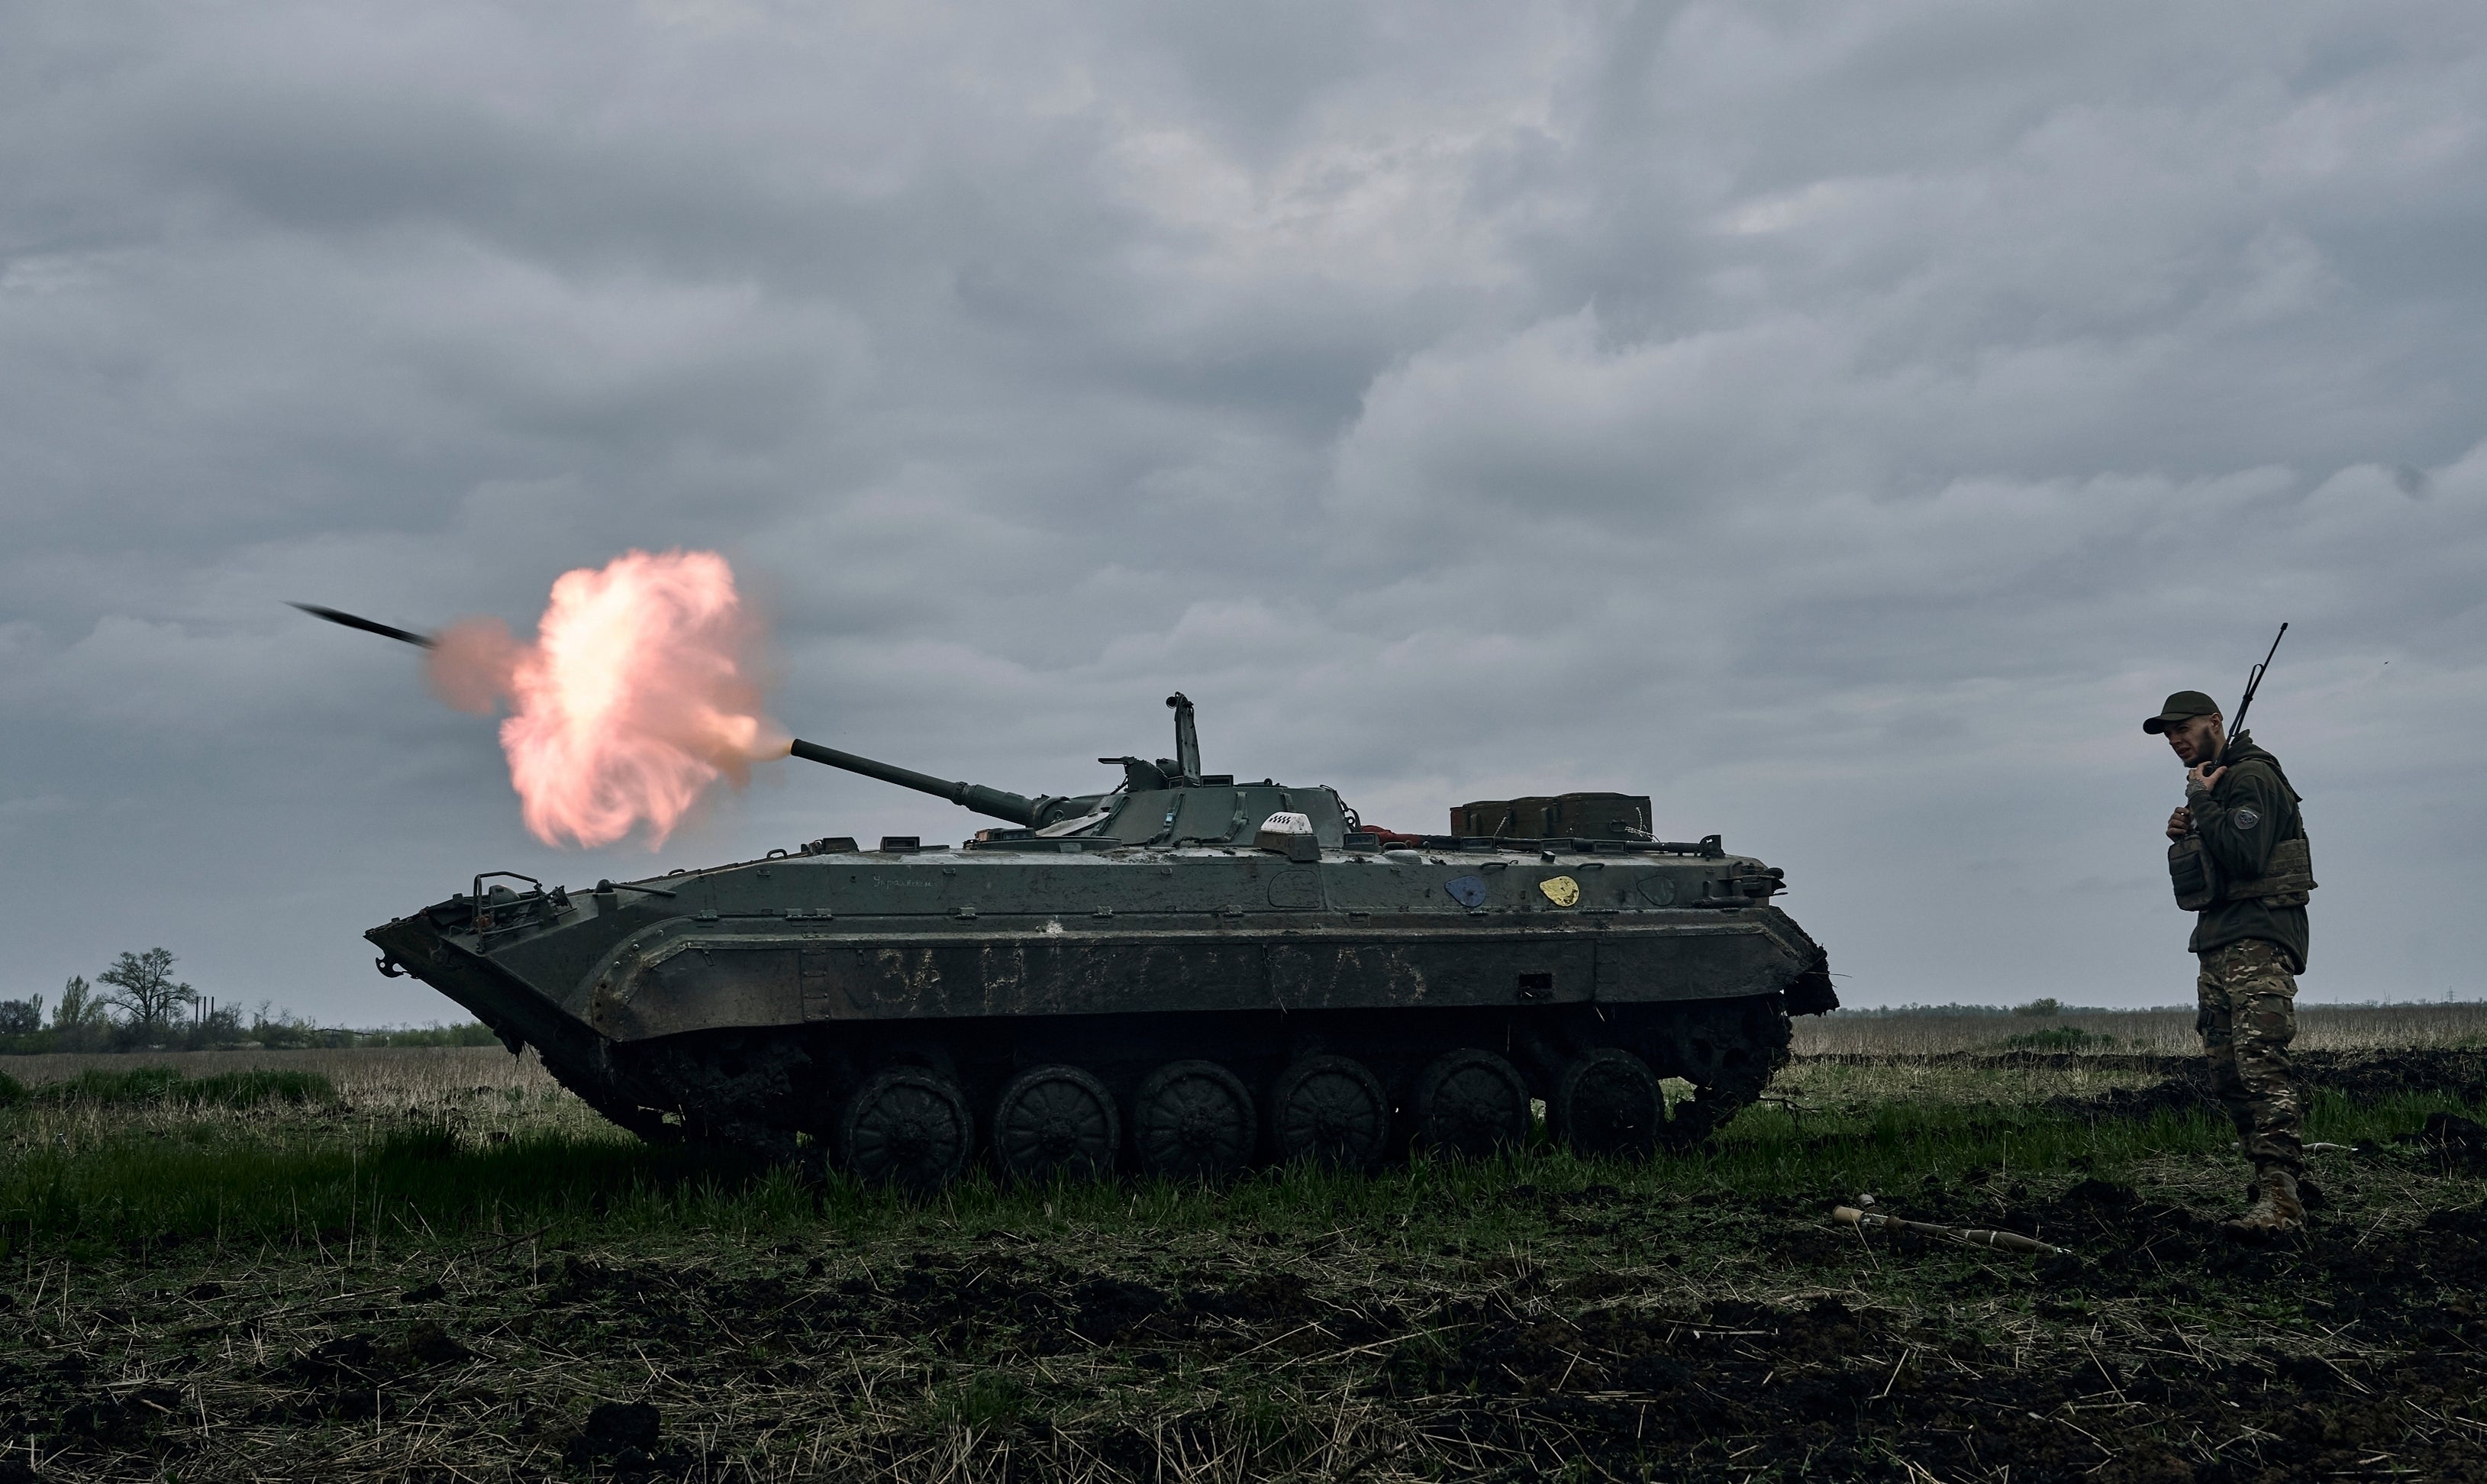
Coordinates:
[1184,976]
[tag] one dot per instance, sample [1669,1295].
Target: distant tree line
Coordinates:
[137,1005]
[2035,1007]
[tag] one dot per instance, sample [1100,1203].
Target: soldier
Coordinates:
[2240,861]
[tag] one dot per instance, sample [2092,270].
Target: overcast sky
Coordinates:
[1840,421]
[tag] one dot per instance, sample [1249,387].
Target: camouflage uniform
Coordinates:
[2248,1016]
[2249,948]
[2250,935]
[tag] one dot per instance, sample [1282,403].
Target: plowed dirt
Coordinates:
[1595,1320]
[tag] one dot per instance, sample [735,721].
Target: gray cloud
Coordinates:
[1842,422]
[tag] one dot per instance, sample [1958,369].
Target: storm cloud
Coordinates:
[1841,421]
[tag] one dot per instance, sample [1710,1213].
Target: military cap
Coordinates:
[2183,706]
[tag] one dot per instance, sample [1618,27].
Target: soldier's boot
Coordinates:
[2275,1209]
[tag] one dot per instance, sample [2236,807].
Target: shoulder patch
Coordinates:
[2247,819]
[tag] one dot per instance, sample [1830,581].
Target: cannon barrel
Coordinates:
[991,803]
[366,625]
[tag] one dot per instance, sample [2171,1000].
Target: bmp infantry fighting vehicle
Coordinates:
[1182,976]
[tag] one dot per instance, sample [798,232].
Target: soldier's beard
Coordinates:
[2193,753]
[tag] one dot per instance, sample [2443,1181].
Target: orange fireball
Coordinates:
[636,697]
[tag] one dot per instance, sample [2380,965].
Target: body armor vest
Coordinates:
[2287,878]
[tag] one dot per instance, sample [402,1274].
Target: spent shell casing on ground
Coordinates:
[1974,1236]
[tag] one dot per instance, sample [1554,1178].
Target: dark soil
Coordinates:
[2102,1366]
[1627,1329]
[2365,1076]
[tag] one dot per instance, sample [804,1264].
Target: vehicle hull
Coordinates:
[749,1003]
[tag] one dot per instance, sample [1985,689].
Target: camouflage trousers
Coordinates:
[2248,1016]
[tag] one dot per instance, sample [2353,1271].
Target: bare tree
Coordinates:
[149,996]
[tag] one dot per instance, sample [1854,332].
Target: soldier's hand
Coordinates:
[2202,778]
[2180,824]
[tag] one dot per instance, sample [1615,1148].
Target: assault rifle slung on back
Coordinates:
[2253,682]
[2196,878]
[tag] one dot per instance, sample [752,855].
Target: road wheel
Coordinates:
[909,1127]
[1055,1120]
[1192,1120]
[1329,1110]
[1607,1103]
[1728,1051]
[1471,1103]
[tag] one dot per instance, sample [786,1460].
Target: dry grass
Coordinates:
[2162,1032]
[482,1096]
[412,1075]
[1855,1087]
[1481,1331]
[426,1076]
[1519,1319]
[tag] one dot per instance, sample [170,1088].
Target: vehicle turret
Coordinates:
[1166,801]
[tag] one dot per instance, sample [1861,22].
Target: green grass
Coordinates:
[984,1399]
[1425,1323]
[165,1084]
[407,1186]
[322,1180]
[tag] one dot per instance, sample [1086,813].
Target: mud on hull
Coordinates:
[762,1087]
[1274,1063]
[1182,1012]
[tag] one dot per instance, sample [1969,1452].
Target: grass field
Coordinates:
[437,1265]
[2159,1032]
